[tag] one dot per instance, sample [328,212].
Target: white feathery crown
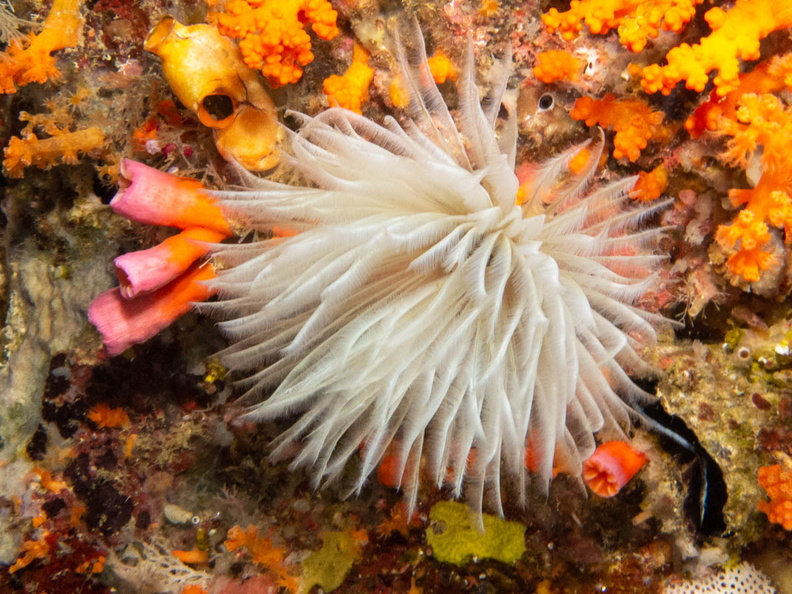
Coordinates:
[419,312]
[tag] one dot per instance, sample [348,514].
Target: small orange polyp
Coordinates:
[192,557]
[154,197]
[611,466]
[124,322]
[389,471]
[350,91]
[442,68]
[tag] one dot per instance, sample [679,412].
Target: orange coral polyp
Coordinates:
[611,466]
[106,417]
[43,153]
[263,552]
[777,483]
[192,557]
[442,68]
[351,89]
[651,184]
[398,93]
[32,550]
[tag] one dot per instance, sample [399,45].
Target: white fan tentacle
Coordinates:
[418,312]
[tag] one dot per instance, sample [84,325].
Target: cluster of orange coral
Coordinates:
[44,152]
[744,106]
[632,119]
[735,36]
[755,119]
[636,20]
[272,35]
[760,121]
[263,552]
[554,65]
[767,77]
[63,144]
[350,90]
[777,482]
[31,61]
[651,184]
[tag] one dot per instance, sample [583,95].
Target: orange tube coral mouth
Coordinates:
[611,466]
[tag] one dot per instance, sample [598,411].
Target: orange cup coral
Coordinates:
[611,466]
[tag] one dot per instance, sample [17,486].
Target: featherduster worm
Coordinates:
[419,311]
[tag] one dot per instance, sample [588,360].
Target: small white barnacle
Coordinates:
[419,311]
